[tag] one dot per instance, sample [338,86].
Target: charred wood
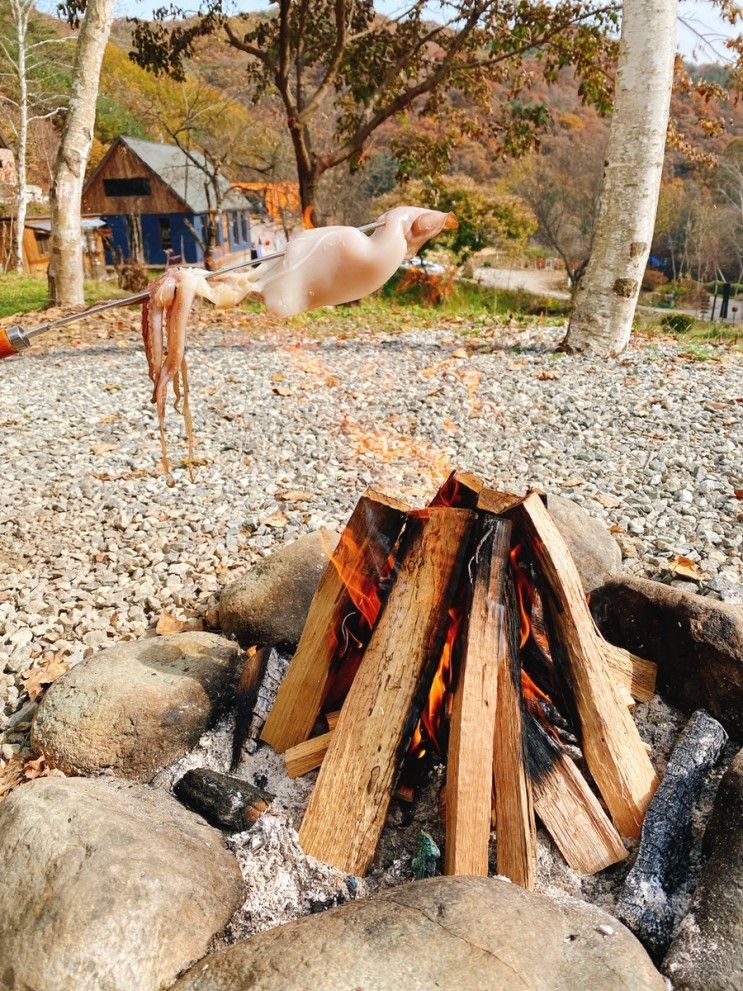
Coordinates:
[225,802]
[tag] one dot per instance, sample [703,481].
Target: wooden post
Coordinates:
[348,805]
[569,810]
[472,723]
[514,812]
[611,743]
[362,551]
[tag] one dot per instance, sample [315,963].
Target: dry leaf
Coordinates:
[547,376]
[37,768]
[738,493]
[608,501]
[168,624]
[103,448]
[281,390]
[572,482]
[276,520]
[278,377]
[460,353]
[332,380]
[110,418]
[37,678]
[615,529]
[294,495]
[11,775]
[684,567]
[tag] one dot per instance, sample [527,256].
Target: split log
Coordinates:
[307,755]
[225,802]
[331,718]
[492,501]
[362,552]
[609,738]
[472,722]
[645,904]
[568,809]
[633,673]
[516,836]
[246,695]
[460,491]
[348,805]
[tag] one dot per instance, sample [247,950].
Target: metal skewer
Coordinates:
[15,339]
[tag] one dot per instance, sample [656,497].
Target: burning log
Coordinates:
[567,807]
[224,802]
[516,850]
[351,583]
[472,724]
[645,904]
[609,738]
[347,809]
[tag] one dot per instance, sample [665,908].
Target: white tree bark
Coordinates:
[66,256]
[607,296]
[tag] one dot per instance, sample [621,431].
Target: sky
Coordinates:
[696,17]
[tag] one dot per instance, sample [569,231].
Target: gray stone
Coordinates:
[706,954]
[595,552]
[107,886]
[136,707]
[453,934]
[269,605]
[696,642]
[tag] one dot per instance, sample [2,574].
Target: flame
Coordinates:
[438,705]
[307,215]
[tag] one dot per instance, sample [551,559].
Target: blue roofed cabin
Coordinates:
[154,196]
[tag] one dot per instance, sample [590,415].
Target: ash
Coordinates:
[282,883]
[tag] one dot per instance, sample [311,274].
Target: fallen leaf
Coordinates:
[36,768]
[276,520]
[608,501]
[294,495]
[103,448]
[332,380]
[572,482]
[36,679]
[460,353]
[281,390]
[11,775]
[278,377]
[110,418]
[547,376]
[194,462]
[684,567]
[168,624]
[112,387]
[738,493]
[615,529]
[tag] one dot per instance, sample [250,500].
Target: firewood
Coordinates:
[493,501]
[348,805]
[636,675]
[460,491]
[307,755]
[568,809]
[331,718]
[472,722]
[609,738]
[246,694]
[646,902]
[363,550]
[225,802]
[516,837]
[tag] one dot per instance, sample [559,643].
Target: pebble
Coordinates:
[97,546]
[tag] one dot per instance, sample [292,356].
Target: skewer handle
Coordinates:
[12,341]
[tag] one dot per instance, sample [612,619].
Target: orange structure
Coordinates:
[280,198]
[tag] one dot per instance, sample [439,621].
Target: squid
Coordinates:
[325,266]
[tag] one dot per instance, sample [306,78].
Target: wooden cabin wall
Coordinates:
[123,164]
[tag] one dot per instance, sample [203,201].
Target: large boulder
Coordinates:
[107,885]
[696,642]
[707,954]
[596,553]
[454,934]
[135,708]
[269,605]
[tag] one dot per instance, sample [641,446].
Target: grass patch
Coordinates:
[698,333]
[28,293]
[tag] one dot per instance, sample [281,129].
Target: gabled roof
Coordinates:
[182,175]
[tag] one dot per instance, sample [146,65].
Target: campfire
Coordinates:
[461,631]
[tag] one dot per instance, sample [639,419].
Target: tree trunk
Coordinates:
[22,197]
[607,296]
[66,262]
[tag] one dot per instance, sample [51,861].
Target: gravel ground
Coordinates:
[291,428]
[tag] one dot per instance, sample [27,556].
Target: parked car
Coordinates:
[431,268]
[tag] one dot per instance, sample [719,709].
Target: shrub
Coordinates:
[652,279]
[677,323]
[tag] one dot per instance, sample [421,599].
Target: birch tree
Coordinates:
[24,59]
[607,295]
[66,261]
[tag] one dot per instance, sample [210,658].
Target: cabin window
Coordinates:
[244,225]
[235,227]
[132,186]
[166,233]
[42,244]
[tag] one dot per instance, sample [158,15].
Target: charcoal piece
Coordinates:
[662,859]
[224,802]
